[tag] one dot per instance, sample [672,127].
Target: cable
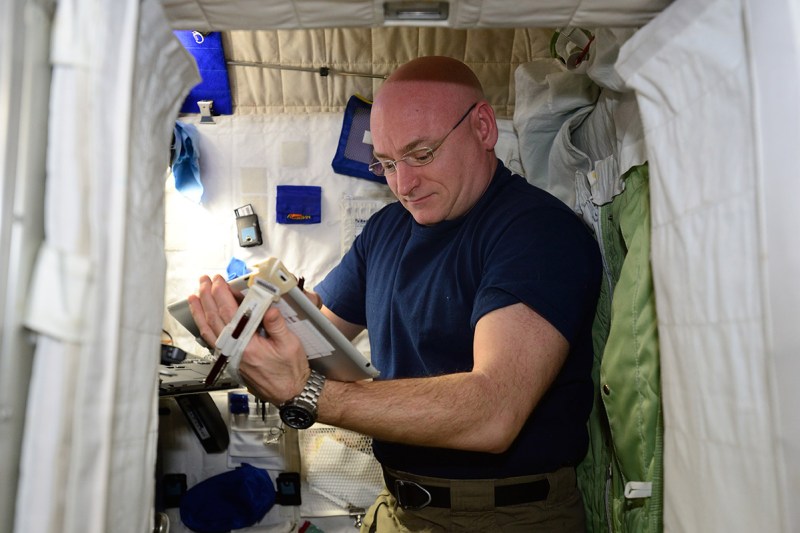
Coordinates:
[322,71]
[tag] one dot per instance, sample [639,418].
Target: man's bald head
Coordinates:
[438,78]
[437,69]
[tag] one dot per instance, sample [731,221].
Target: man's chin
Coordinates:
[424,218]
[424,213]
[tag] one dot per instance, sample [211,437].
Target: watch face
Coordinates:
[296,417]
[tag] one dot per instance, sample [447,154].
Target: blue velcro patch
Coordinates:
[298,204]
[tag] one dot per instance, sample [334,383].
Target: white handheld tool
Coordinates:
[265,286]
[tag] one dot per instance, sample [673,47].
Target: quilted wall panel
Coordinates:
[494,54]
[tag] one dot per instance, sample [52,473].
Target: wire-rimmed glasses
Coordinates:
[417,157]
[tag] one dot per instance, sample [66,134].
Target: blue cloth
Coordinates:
[420,290]
[186,162]
[210,58]
[231,500]
[298,204]
[236,268]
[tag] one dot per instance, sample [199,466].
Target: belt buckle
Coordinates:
[402,487]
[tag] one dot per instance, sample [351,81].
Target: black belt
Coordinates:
[414,496]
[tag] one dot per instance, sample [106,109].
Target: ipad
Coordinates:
[180,309]
[329,352]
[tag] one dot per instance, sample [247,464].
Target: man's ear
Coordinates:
[487,125]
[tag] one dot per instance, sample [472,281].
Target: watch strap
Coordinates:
[312,390]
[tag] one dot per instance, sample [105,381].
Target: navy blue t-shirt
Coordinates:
[420,291]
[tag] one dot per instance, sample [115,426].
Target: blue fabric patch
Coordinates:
[210,58]
[298,204]
[231,500]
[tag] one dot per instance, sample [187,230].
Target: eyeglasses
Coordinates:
[418,157]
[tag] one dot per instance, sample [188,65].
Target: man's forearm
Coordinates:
[459,411]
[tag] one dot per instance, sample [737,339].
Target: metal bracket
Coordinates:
[206,108]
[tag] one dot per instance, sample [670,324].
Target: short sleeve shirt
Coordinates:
[421,290]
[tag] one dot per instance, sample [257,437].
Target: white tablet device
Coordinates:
[329,352]
[180,309]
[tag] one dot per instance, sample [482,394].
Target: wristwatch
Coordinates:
[301,411]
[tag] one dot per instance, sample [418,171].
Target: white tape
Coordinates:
[638,489]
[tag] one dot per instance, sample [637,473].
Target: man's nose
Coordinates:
[407,179]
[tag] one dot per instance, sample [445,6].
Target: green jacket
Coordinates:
[626,425]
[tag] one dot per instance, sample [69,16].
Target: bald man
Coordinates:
[479,291]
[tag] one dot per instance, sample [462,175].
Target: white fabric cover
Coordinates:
[579,128]
[552,101]
[24,95]
[89,446]
[690,70]
[776,83]
[206,15]
[554,13]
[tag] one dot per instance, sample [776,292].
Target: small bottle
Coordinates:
[238,405]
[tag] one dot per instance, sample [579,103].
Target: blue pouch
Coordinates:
[211,63]
[298,204]
[231,500]
[354,152]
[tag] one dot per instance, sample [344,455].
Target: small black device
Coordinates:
[171,354]
[173,487]
[205,420]
[288,492]
[247,227]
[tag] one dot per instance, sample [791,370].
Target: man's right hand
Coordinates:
[274,367]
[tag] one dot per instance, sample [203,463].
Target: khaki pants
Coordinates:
[472,509]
